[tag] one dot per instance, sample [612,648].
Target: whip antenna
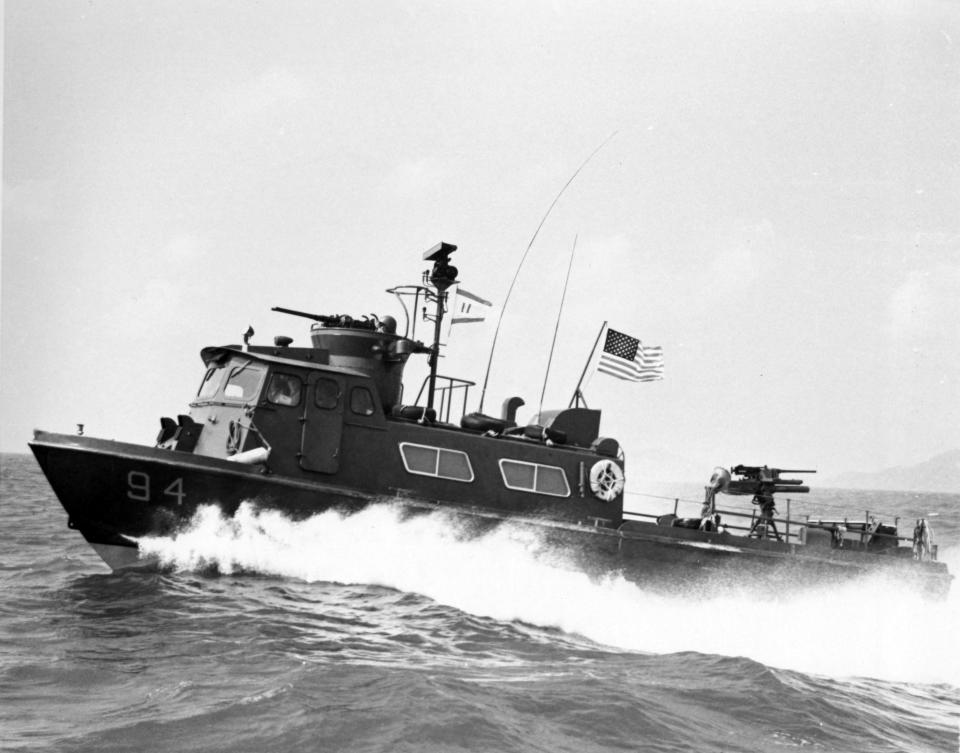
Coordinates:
[496,332]
[556,327]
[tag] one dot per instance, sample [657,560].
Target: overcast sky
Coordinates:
[779,208]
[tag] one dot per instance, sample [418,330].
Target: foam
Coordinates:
[870,627]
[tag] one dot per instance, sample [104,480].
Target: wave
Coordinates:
[870,627]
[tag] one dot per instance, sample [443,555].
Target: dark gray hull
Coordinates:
[115,493]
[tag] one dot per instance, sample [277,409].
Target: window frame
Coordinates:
[207,379]
[362,388]
[436,471]
[237,367]
[536,476]
[284,375]
[316,390]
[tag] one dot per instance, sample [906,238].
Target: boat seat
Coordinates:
[579,426]
[168,428]
[181,434]
[187,434]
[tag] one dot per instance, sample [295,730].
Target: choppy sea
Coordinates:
[378,633]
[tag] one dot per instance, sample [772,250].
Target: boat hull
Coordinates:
[115,493]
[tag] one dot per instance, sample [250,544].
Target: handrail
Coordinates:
[852,527]
[841,510]
[445,394]
[787,534]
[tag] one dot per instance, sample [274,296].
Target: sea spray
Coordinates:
[870,627]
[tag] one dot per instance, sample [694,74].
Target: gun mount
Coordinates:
[762,481]
[343,321]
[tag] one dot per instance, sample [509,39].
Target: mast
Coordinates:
[442,276]
[577,394]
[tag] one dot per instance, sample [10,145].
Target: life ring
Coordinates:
[606,480]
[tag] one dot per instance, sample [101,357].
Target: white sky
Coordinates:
[780,207]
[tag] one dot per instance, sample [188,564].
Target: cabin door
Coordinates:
[322,424]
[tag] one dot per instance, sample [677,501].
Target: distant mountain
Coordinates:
[939,474]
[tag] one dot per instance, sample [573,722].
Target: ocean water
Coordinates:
[379,633]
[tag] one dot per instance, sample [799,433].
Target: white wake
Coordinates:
[870,627]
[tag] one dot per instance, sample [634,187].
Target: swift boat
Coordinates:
[308,429]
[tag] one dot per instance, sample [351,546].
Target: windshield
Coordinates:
[211,382]
[244,381]
[232,382]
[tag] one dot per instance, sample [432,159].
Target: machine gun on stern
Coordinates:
[761,481]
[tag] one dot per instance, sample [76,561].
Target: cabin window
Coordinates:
[327,393]
[211,382]
[284,389]
[534,477]
[438,462]
[361,401]
[244,382]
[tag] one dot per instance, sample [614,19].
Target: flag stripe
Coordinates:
[617,370]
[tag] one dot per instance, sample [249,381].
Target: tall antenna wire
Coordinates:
[556,327]
[496,332]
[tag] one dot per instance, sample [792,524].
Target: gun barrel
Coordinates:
[751,486]
[305,315]
[742,487]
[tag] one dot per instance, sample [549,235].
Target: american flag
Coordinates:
[625,357]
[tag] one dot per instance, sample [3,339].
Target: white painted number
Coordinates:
[176,490]
[138,484]
[138,488]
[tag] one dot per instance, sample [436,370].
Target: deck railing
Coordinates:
[792,530]
[444,394]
